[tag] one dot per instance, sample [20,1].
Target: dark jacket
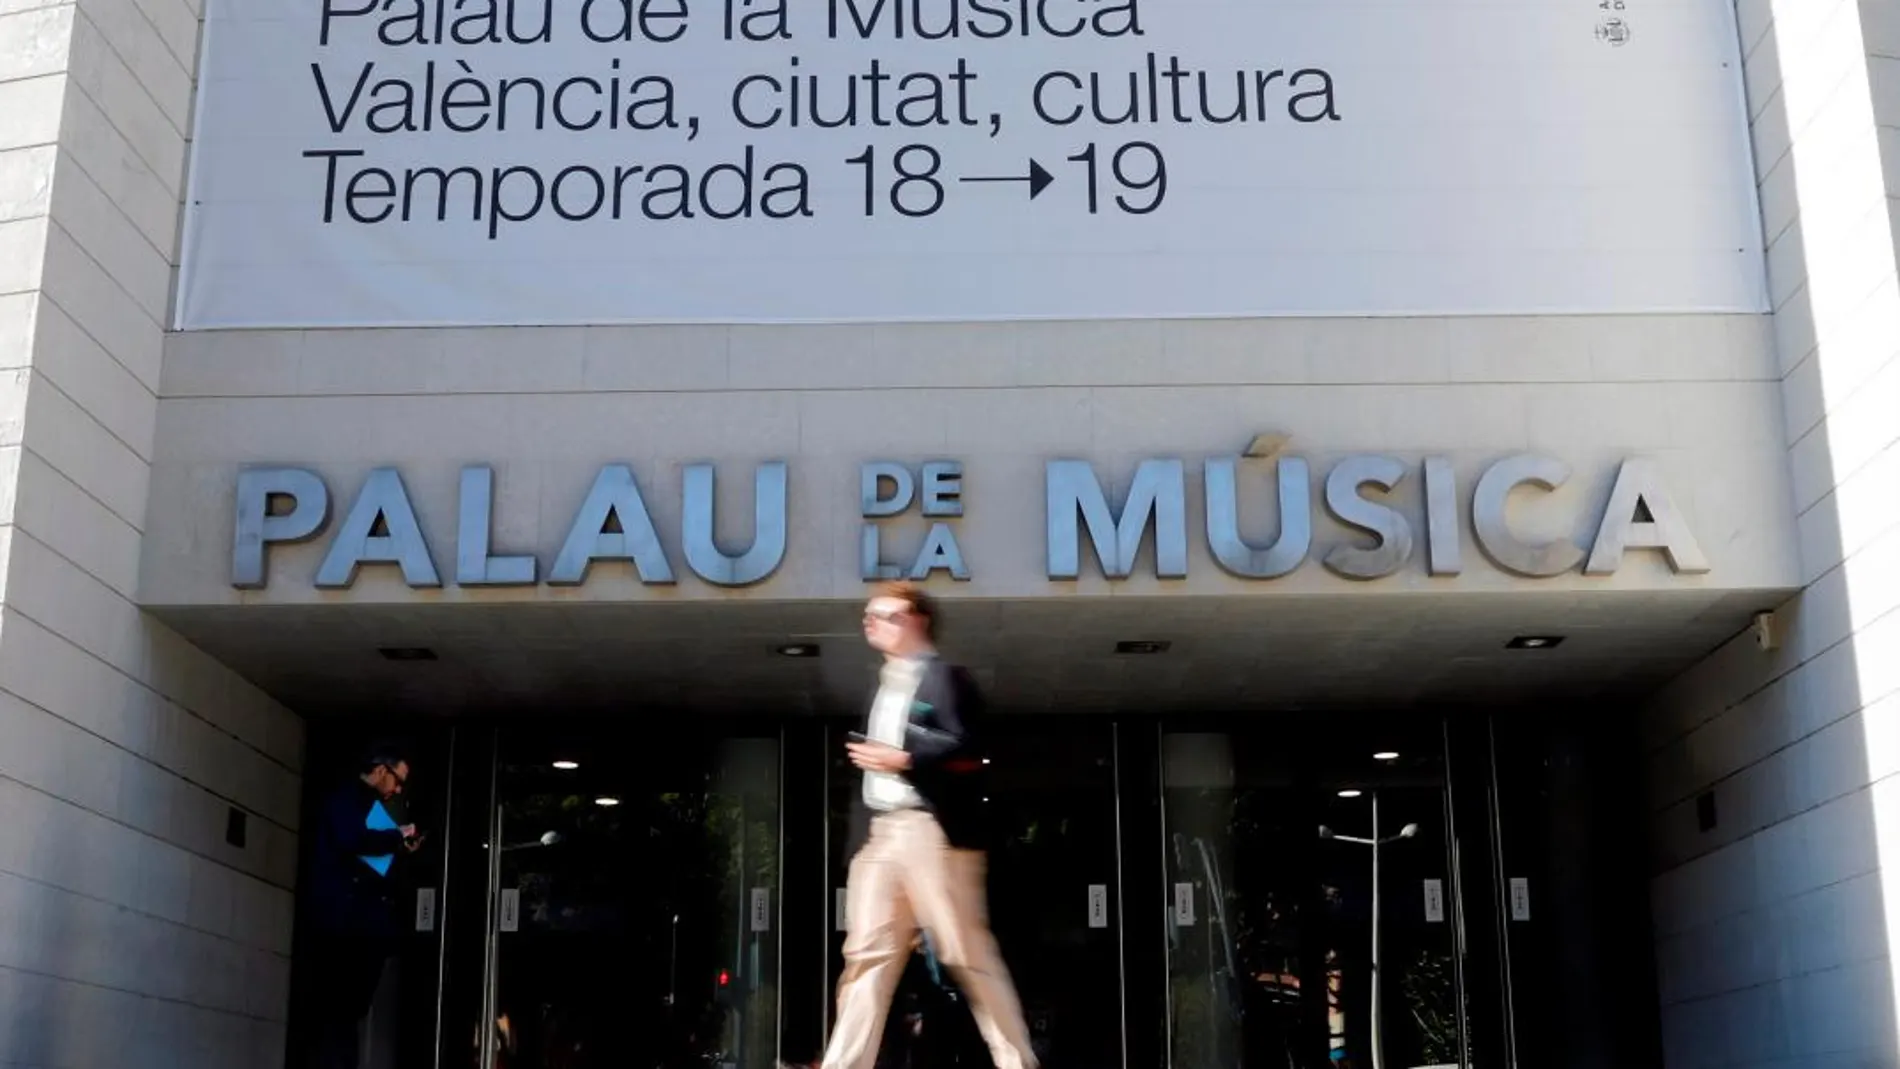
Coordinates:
[347,895]
[946,769]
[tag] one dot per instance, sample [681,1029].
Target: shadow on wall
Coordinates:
[1774,812]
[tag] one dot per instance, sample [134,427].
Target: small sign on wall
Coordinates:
[510,909]
[1098,905]
[838,911]
[425,909]
[1434,901]
[761,909]
[1520,898]
[1184,905]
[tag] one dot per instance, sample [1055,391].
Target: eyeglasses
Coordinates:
[886,617]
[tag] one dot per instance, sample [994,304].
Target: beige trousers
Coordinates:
[906,876]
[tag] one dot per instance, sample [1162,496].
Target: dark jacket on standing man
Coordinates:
[353,877]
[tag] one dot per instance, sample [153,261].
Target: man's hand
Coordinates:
[877,757]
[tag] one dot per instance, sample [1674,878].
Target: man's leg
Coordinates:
[321,964]
[946,890]
[361,975]
[879,927]
[341,989]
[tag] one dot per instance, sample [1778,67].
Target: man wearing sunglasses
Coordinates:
[363,829]
[917,844]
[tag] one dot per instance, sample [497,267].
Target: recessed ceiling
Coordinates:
[1052,654]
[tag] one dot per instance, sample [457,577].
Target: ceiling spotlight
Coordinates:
[1142,647]
[606,800]
[1386,755]
[1534,642]
[1350,793]
[798,649]
[567,766]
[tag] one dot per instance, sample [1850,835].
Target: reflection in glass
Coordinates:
[1293,941]
[644,887]
[1375,842]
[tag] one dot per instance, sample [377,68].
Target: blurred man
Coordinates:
[362,829]
[917,850]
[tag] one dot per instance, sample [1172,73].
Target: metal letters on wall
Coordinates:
[284,505]
[257,527]
[1157,499]
[473,564]
[767,552]
[383,505]
[1638,491]
[1232,552]
[1393,532]
[613,502]
[941,498]
[1493,528]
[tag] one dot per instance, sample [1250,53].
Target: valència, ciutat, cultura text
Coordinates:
[453,97]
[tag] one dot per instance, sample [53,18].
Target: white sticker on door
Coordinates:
[1184,905]
[838,911]
[1098,905]
[1520,898]
[761,909]
[1434,901]
[425,909]
[510,909]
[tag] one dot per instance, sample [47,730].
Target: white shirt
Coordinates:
[890,719]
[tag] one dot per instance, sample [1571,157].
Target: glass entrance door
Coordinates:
[1054,899]
[635,920]
[1310,918]
[1280,897]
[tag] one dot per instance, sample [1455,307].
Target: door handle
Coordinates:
[510,911]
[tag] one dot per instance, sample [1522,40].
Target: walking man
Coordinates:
[917,851]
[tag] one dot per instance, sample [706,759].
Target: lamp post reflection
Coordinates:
[1378,981]
[552,838]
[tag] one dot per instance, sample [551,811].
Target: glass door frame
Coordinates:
[1453,809]
[471,927]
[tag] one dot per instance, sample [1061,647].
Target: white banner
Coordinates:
[424,162]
